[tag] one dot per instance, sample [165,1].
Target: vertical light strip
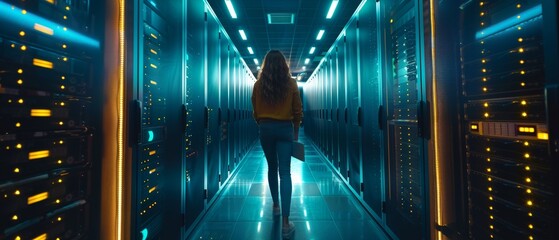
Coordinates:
[436,120]
[120,124]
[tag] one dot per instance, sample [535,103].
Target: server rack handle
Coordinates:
[380,117]
[206,118]
[360,117]
[345,115]
[136,126]
[423,120]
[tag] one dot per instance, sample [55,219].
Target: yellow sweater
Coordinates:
[290,109]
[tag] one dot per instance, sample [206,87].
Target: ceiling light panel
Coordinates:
[332,9]
[243,34]
[312,50]
[320,34]
[231,8]
[250,50]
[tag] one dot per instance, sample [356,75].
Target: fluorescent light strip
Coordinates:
[307,61]
[230,8]
[243,35]
[256,61]
[312,50]
[250,50]
[332,9]
[320,33]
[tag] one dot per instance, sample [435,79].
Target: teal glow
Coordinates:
[16,19]
[151,135]
[510,22]
[145,234]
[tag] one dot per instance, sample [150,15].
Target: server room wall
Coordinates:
[438,112]
[92,114]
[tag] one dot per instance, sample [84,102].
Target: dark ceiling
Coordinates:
[293,40]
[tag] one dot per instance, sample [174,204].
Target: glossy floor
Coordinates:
[321,207]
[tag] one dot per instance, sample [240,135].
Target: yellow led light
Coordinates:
[16,170]
[61,142]
[17,192]
[524,114]
[20,71]
[519,28]
[522,72]
[484,89]
[153,82]
[523,102]
[41,237]
[43,29]
[489,179]
[152,152]
[59,219]
[481,3]
[530,226]
[523,84]
[14,217]
[60,123]
[62,103]
[153,65]
[22,33]
[486,115]
[490,189]
[17,238]
[64,46]
[518,17]
[23,11]
[491,216]
[18,146]
[488,169]
[530,214]
[531,237]
[489,159]
[474,127]
[528,190]
[529,203]
[491,198]
[153,35]
[518,5]
[520,39]
[526,155]
[59,161]
[491,226]
[153,51]
[62,87]
[63,77]
[37,198]
[18,124]
[486,104]
[526,144]
[152,189]
[42,63]
[19,81]
[65,17]
[490,207]
[521,61]
[528,180]
[20,100]
[39,154]
[484,79]
[40,113]
[543,136]
[65,28]
[152,171]
[65,59]
[60,180]
[521,50]
[23,48]
[488,149]
[50,1]
[57,201]
[483,70]
[527,168]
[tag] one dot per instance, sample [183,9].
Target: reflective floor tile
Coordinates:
[236,190]
[226,210]
[344,208]
[257,209]
[360,230]
[331,188]
[316,230]
[257,230]
[305,189]
[214,231]
[309,208]
[259,189]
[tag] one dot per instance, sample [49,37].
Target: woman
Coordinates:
[277,108]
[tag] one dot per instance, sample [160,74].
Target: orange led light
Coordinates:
[41,237]
[39,154]
[37,198]
[43,29]
[42,63]
[40,113]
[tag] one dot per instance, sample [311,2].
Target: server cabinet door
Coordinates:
[50,113]
[194,134]
[510,169]
[371,97]
[342,107]
[335,109]
[406,200]
[212,105]
[353,106]
[224,108]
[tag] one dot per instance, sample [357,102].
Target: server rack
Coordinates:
[50,141]
[507,147]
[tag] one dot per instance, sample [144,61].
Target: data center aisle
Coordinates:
[321,207]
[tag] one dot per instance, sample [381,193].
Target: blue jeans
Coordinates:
[276,138]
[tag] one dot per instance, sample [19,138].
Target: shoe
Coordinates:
[276,211]
[288,230]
